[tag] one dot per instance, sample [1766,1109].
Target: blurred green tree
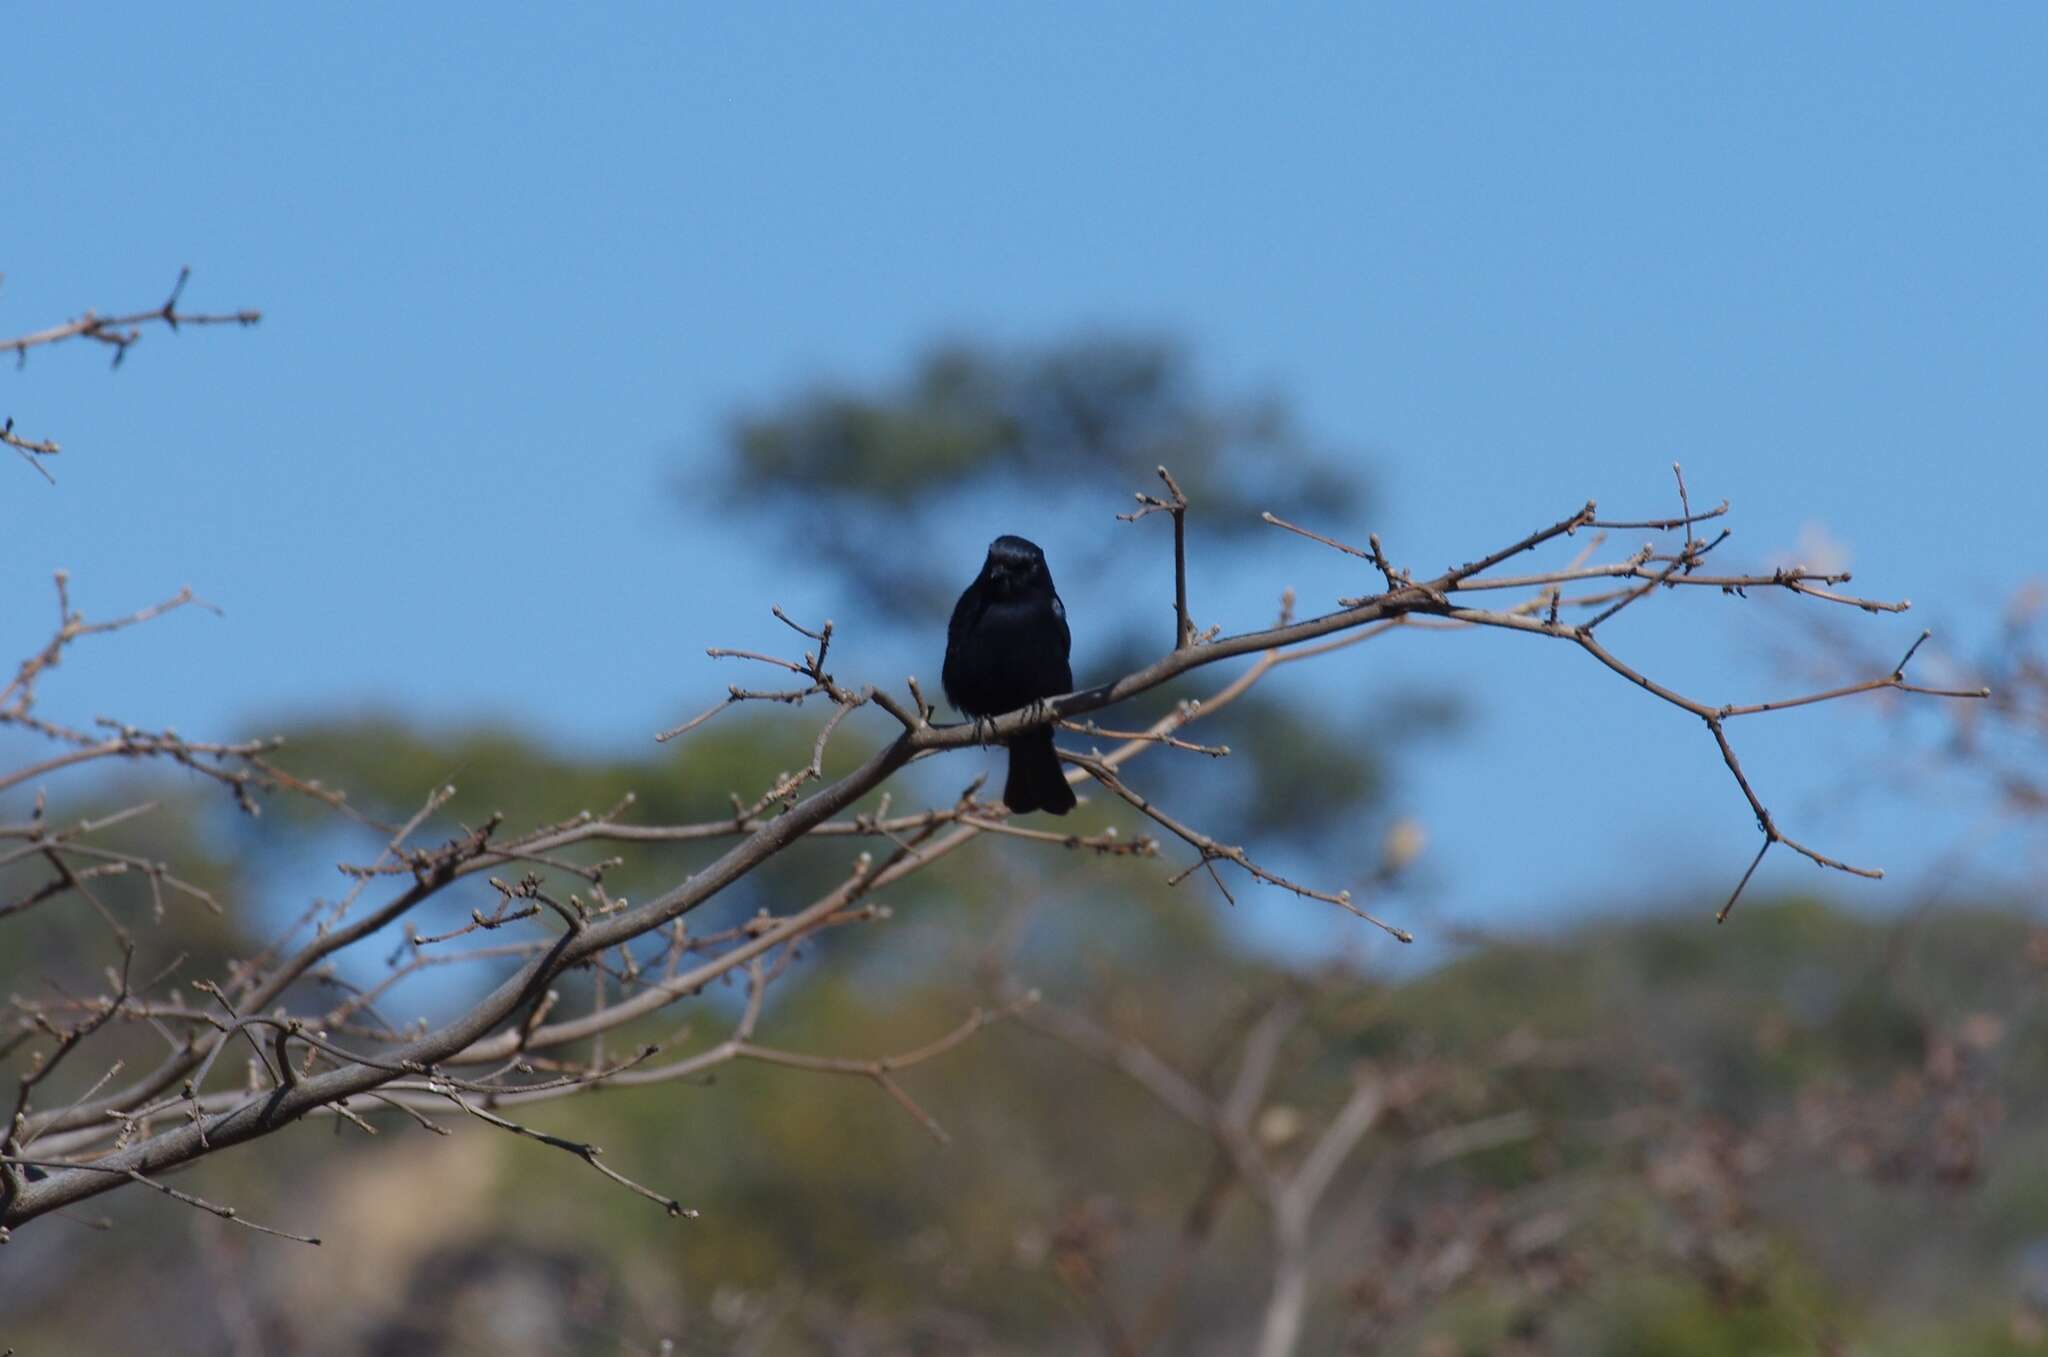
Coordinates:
[849,477]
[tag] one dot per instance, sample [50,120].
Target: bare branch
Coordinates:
[510,1044]
[586,1152]
[1211,850]
[1177,505]
[120,332]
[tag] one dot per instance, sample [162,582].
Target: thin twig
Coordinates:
[588,1153]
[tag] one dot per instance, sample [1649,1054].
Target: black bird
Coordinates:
[1006,648]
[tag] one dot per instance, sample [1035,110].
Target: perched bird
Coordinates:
[1006,648]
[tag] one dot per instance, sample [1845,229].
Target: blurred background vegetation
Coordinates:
[1808,1132]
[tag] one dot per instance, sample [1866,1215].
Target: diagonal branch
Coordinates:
[493,1029]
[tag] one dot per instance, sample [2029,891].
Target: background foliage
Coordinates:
[1808,1131]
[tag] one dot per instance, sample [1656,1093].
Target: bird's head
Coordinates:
[1014,566]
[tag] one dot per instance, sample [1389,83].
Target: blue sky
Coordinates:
[519,265]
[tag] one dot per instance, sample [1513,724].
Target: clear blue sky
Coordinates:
[519,263]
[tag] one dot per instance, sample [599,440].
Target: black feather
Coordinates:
[1006,648]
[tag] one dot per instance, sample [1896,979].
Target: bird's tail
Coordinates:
[1035,781]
